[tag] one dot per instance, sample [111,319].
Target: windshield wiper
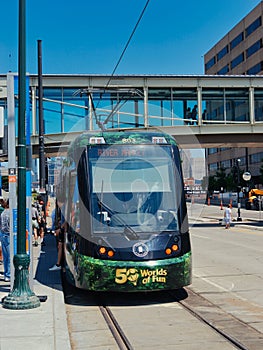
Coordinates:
[128,230]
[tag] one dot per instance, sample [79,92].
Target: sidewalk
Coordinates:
[42,328]
[251,219]
[45,328]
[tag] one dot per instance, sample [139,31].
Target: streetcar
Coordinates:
[122,197]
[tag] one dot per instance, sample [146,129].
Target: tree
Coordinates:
[221,179]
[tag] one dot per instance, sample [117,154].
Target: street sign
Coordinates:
[246,176]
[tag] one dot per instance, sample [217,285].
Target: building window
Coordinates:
[258,98]
[256,158]
[242,161]
[255,69]
[254,48]
[210,63]
[226,163]
[236,61]
[236,41]
[160,104]
[184,105]
[213,103]
[223,70]
[212,150]
[225,105]
[213,167]
[237,105]
[222,53]
[253,26]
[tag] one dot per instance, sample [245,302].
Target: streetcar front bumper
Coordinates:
[131,276]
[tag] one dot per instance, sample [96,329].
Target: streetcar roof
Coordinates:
[121,137]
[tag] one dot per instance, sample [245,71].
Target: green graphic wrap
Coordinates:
[132,276]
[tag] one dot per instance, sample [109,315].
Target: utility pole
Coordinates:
[21,297]
[238,191]
[42,177]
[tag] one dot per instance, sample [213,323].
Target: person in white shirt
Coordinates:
[228,216]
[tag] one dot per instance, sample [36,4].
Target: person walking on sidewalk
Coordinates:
[5,240]
[35,224]
[61,227]
[42,219]
[228,216]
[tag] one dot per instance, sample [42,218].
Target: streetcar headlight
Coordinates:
[102,250]
[106,251]
[110,253]
[168,251]
[175,247]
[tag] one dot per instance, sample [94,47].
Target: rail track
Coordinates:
[115,328]
[236,332]
[130,322]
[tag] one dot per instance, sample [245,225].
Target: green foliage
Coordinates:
[100,275]
[228,182]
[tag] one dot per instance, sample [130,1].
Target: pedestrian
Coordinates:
[228,216]
[2,208]
[194,115]
[2,205]
[5,240]
[42,219]
[60,228]
[204,115]
[188,116]
[35,224]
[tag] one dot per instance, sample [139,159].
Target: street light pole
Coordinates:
[21,297]
[238,191]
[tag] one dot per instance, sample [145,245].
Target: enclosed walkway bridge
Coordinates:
[200,111]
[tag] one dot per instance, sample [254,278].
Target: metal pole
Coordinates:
[12,178]
[238,191]
[21,297]
[42,183]
[42,160]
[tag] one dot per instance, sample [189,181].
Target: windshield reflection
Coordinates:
[133,194]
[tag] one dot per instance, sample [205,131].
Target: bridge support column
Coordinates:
[146,121]
[251,106]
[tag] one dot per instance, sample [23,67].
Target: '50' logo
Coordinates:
[124,275]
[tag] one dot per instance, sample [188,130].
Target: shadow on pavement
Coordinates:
[47,258]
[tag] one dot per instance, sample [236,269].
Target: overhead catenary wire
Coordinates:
[99,123]
[125,48]
[128,42]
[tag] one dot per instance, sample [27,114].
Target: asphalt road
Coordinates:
[228,264]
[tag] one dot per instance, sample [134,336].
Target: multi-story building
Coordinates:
[239,52]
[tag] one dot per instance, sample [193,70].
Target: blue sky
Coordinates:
[87,37]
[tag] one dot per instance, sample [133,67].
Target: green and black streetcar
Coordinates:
[124,204]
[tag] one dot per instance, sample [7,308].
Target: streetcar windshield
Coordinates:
[134,187]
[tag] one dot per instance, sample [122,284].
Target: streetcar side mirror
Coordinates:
[106,217]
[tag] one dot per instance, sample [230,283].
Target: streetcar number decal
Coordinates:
[129,140]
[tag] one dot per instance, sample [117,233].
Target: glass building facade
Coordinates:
[70,104]
[89,102]
[64,111]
